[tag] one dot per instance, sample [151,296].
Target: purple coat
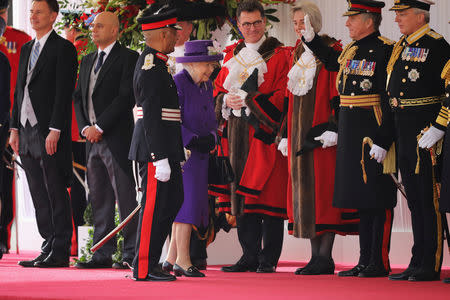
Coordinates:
[198,119]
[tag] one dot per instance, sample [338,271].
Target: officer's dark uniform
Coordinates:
[361,82]
[156,136]
[416,92]
[444,203]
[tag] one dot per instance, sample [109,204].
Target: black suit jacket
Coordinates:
[5,75]
[112,98]
[51,87]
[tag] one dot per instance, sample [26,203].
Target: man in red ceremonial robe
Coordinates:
[250,121]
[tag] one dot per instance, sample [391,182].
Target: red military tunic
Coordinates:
[260,168]
[11,46]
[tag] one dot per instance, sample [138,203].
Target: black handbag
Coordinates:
[220,171]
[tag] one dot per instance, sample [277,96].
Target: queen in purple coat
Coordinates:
[199,125]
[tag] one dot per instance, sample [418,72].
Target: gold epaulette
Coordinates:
[435,35]
[446,71]
[386,40]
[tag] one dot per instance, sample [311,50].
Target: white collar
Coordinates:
[107,50]
[43,40]
[255,46]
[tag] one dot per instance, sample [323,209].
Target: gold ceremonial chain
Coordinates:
[244,74]
[348,54]
[398,49]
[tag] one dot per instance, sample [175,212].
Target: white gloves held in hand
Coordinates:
[378,153]
[283,146]
[308,33]
[328,138]
[162,172]
[431,137]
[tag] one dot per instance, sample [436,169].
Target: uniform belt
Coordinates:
[360,100]
[167,114]
[397,102]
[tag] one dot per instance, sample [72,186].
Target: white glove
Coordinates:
[328,139]
[308,33]
[378,153]
[162,172]
[431,137]
[283,146]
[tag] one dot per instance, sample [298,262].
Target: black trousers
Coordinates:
[261,238]
[425,216]
[77,192]
[48,190]
[160,202]
[109,184]
[6,192]
[375,228]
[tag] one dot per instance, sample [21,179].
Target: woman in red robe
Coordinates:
[311,128]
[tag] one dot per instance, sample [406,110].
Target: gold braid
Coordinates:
[347,54]
[398,48]
[446,73]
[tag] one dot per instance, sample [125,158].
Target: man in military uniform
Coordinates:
[361,84]
[156,143]
[416,92]
[10,44]
[444,120]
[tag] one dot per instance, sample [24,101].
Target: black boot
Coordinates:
[321,266]
[373,270]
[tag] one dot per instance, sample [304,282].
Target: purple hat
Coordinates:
[199,50]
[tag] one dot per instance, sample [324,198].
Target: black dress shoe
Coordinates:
[446,280]
[321,266]
[239,267]
[189,272]
[123,265]
[52,262]
[200,263]
[403,275]
[264,268]
[157,276]
[30,263]
[93,264]
[424,275]
[167,266]
[308,265]
[352,272]
[373,271]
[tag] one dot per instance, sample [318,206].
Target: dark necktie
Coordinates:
[99,62]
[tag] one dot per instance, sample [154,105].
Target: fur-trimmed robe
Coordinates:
[260,169]
[311,175]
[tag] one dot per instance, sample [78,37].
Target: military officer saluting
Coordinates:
[416,91]
[156,143]
[361,84]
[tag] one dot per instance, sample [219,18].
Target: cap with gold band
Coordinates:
[4,4]
[356,7]
[156,17]
[406,4]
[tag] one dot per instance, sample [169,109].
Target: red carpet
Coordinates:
[70,283]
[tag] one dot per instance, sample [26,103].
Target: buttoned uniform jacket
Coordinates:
[112,99]
[414,78]
[50,89]
[362,74]
[157,135]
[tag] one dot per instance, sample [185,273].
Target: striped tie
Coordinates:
[34,55]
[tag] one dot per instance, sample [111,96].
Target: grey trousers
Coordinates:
[109,184]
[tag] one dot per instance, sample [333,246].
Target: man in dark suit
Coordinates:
[5,71]
[104,104]
[40,130]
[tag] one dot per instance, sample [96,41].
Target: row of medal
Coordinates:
[360,67]
[415,54]
[10,46]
